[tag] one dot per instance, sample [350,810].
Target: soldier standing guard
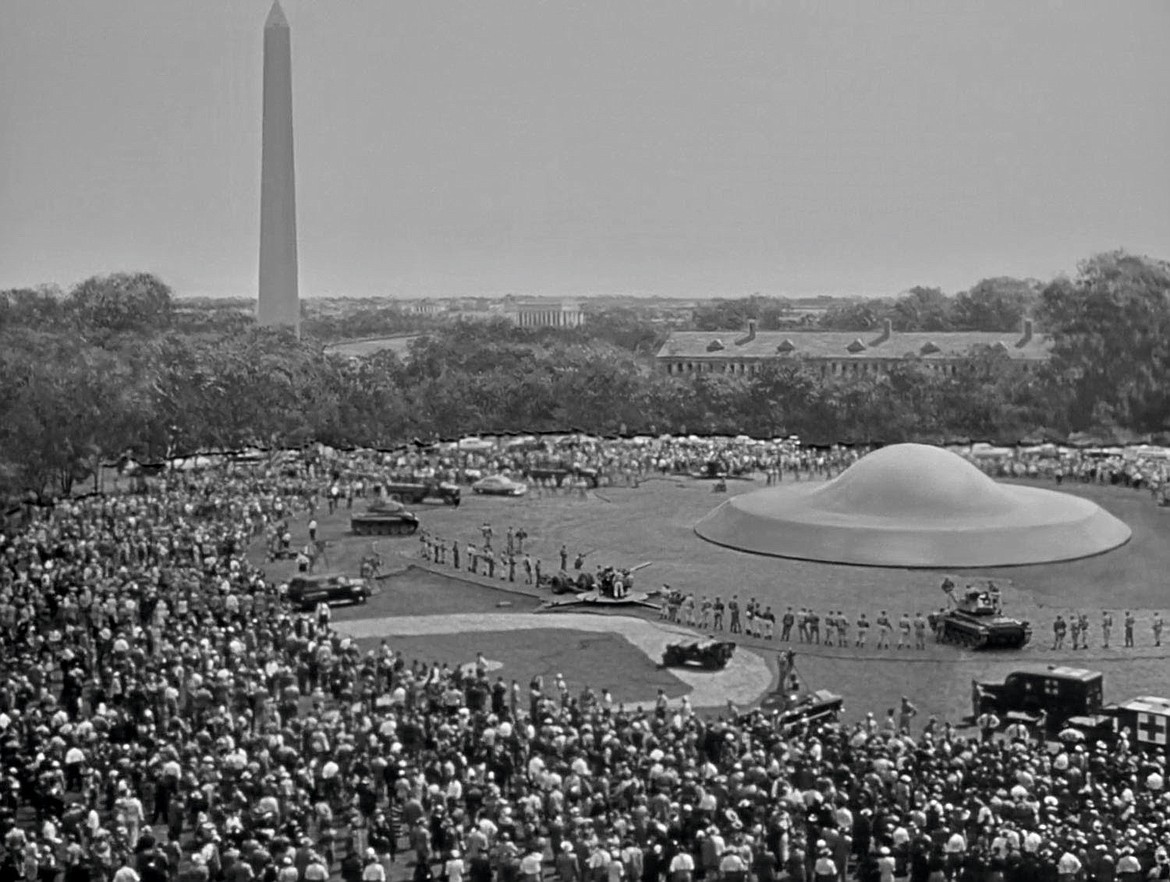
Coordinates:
[919,631]
[842,628]
[884,629]
[904,627]
[733,626]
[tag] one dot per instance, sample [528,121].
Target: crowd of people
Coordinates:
[629,460]
[164,716]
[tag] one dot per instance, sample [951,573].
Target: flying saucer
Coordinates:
[913,505]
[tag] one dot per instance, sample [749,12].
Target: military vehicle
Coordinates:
[711,655]
[558,471]
[384,518]
[305,592]
[1042,695]
[1067,704]
[563,583]
[416,492]
[976,621]
[793,706]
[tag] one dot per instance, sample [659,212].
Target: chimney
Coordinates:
[887,332]
[1027,332]
[751,329]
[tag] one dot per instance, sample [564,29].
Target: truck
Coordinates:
[558,471]
[416,492]
[1044,696]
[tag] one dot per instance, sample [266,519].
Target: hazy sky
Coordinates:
[679,147]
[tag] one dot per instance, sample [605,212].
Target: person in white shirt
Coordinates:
[373,870]
[682,867]
[453,869]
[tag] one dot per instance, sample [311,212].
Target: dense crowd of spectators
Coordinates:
[165,716]
[630,460]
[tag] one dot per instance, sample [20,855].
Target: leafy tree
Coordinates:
[123,302]
[1111,327]
[997,304]
[922,309]
[42,307]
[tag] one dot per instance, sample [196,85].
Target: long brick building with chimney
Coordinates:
[848,354]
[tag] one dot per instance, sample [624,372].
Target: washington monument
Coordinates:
[279,300]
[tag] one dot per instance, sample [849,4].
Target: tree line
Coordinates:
[117,366]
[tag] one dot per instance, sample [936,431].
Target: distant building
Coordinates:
[427,307]
[547,315]
[847,354]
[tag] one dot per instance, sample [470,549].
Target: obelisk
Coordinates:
[279,300]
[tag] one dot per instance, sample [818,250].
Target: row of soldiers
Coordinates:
[807,625]
[754,619]
[483,559]
[1077,628]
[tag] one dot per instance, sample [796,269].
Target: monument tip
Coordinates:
[276,17]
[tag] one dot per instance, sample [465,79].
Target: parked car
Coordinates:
[499,485]
[305,592]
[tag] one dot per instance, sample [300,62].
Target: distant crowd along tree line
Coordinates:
[117,366]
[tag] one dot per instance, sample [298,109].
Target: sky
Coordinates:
[648,147]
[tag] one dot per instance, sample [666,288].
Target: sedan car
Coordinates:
[305,592]
[499,485]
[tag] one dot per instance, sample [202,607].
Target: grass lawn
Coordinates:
[627,526]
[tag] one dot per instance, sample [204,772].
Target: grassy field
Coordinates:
[627,526]
[399,345]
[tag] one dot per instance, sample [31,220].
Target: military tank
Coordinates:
[976,621]
[384,518]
